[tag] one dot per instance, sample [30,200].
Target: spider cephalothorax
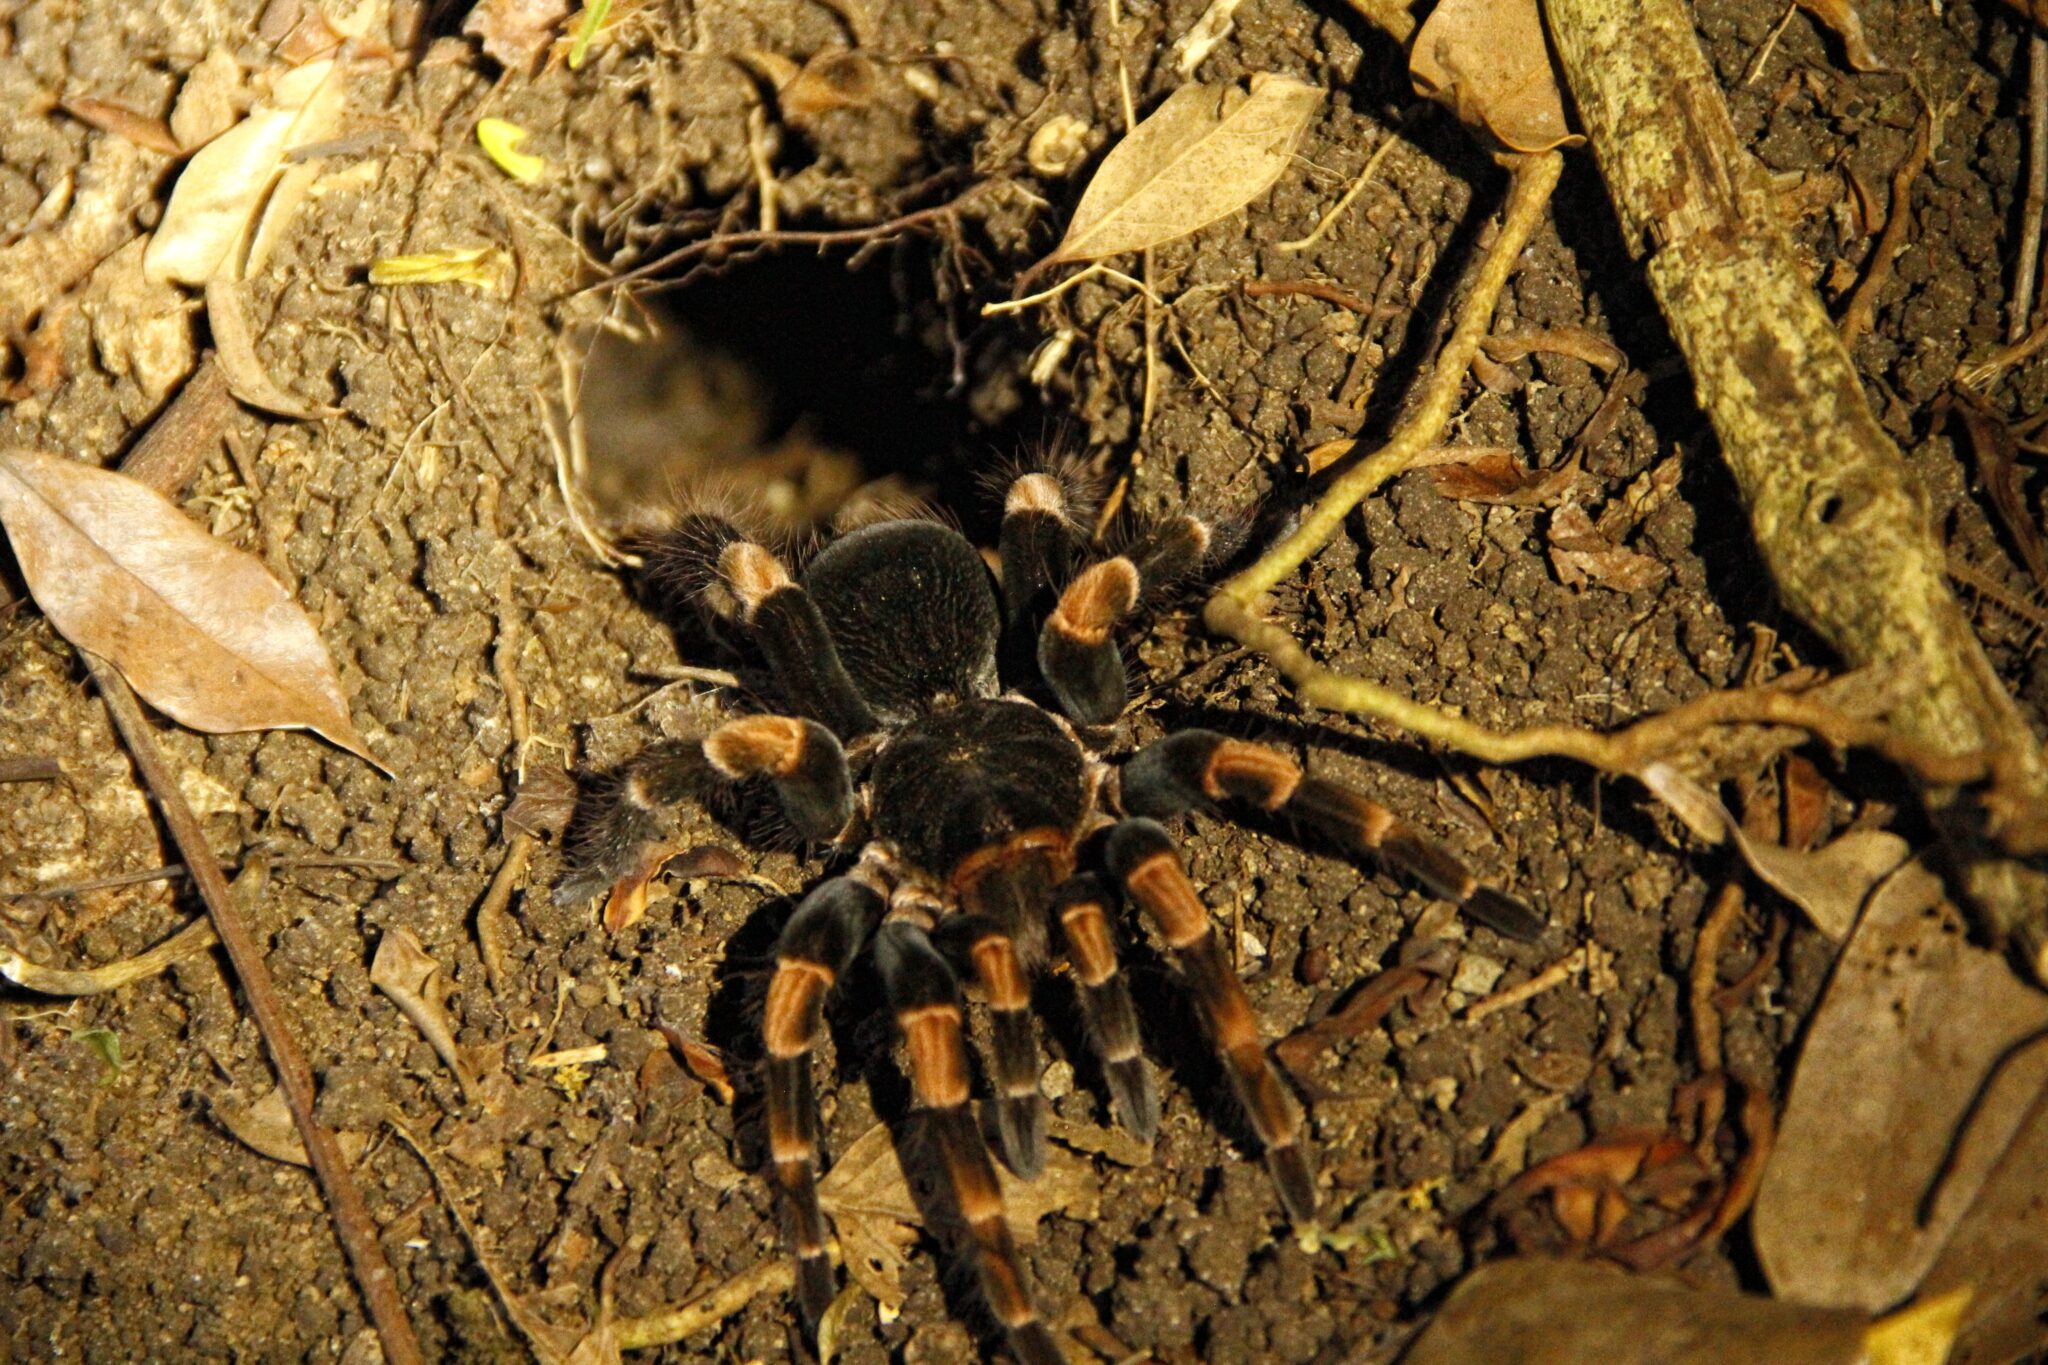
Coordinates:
[980,811]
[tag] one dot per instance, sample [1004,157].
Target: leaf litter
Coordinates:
[876,1213]
[1919,1068]
[1205,153]
[199,628]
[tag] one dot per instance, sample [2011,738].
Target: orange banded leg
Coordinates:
[801,757]
[1195,768]
[816,947]
[1077,653]
[1082,907]
[926,998]
[1020,1108]
[1142,859]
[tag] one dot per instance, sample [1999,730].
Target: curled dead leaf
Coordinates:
[1830,884]
[705,1062]
[234,348]
[1488,62]
[226,182]
[200,629]
[403,970]
[1201,156]
[876,1214]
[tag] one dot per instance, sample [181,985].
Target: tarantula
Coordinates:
[908,678]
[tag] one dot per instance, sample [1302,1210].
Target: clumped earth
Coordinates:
[480,638]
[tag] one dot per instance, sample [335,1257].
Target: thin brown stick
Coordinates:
[1863,303]
[344,1201]
[2037,189]
[34,768]
[166,462]
[188,432]
[1706,974]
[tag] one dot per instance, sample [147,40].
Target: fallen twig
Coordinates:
[1863,303]
[195,937]
[352,1225]
[34,768]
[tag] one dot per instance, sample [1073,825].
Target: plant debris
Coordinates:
[1202,155]
[199,628]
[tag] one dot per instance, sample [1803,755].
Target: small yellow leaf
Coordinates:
[586,29]
[1201,156]
[500,139]
[484,267]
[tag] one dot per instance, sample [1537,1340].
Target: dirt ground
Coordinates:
[425,532]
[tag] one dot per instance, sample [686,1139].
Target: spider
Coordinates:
[939,724]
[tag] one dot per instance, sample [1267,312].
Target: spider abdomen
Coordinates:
[971,776]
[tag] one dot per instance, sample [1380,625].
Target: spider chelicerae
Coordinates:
[938,724]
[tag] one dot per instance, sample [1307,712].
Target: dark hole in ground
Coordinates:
[793,379]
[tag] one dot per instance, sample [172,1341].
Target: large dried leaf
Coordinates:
[2000,1252]
[1202,155]
[1537,1312]
[1910,1089]
[1488,61]
[199,628]
[221,188]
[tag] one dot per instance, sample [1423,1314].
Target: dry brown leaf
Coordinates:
[1582,554]
[414,981]
[1498,477]
[2000,1252]
[876,1215]
[1488,61]
[1830,884]
[1908,1091]
[199,628]
[266,1128]
[514,32]
[1201,156]
[225,183]
[1541,1312]
[835,79]
[1841,16]
[121,121]
[706,1062]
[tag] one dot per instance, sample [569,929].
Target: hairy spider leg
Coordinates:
[1199,767]
[1077,653]
[1038,546]
[801,758]
[1082,905]
[625,839]
[1004,890]
[816,947]
[1077,650]
[925,996]
[709,559]
[1142,859]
